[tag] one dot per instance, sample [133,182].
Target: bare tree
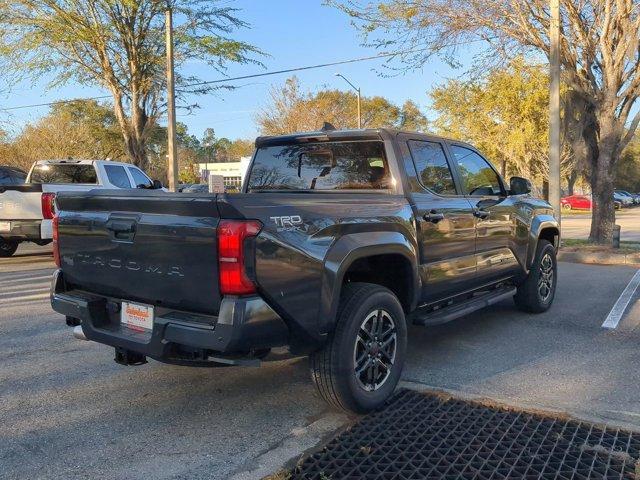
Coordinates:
[600,56]
[119,45]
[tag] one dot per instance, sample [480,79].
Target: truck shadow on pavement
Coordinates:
[158,420]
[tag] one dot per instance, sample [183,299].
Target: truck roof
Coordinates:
[73,161]
[345,134]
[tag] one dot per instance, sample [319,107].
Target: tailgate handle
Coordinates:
[123,230]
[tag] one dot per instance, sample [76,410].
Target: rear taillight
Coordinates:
[232,261]
[48,201]
[56,245]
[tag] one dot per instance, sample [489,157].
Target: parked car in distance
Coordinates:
[196,188]
[204,188]
[27,210]
[11,175]
[576,202]
[634,199]
[625,200]
[337,241]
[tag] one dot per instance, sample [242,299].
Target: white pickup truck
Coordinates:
[26,211]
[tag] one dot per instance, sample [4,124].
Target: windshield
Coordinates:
[64,173]
[320,166]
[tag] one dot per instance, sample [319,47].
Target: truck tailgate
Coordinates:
[21,202]
[152,247]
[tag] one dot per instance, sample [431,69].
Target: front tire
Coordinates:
[537,292]
[360,365]
[7,248]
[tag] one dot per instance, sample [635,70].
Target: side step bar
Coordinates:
[457,310]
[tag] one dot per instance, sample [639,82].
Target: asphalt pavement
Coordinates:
[68,411]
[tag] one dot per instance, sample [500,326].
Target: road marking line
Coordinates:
[621,305]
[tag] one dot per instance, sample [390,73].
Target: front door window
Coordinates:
[477,176]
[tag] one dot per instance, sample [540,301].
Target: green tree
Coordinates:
[292,110]
[411,118]
[599,55]
[214,149]
[99,120]
[240,148]
[82,129]
[189,151]
[119,45]
[628,168]
[504,114]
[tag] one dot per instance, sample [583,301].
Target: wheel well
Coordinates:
[392,271]
[551,235]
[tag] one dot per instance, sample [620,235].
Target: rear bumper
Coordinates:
[24,230]
[243,324]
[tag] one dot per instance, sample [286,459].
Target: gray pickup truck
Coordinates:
[337,241]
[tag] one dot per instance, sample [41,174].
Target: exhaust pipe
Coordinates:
[78,333]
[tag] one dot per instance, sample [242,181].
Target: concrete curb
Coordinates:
[270,463]
[602,258]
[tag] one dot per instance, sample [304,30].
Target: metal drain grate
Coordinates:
[420,436]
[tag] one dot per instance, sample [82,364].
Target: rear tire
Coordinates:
[566,207]
[536,293]
[7,247]
[360,365]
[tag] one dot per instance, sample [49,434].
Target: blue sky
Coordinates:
[294,33]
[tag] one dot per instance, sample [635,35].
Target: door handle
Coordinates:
[433,216]
[121,227]
[479,213]
[122,230]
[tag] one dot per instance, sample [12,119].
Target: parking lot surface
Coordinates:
[69,411]
[578,225]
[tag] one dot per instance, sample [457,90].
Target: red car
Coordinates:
[576,202]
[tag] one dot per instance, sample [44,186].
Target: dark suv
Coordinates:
[11,176]
[337,240]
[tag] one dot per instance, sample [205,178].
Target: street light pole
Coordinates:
[554,108]
[359,113]
[359,99]
[172,148]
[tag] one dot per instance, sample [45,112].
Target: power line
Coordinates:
[256,75]
[57,102]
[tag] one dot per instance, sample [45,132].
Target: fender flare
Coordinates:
[538,224]
[351,247]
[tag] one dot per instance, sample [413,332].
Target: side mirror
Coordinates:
[157,184]
[519,186]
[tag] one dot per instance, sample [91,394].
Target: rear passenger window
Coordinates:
[117,176]
[432,167]
[320,166]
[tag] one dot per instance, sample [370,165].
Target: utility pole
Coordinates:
[172,148]
[359,114]
[357,89]
[554,108]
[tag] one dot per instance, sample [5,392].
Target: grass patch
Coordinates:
[574,211]
[575,244]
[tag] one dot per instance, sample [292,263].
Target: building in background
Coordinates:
[233,172]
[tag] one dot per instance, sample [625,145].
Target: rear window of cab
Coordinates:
[320,166]
[64,173]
